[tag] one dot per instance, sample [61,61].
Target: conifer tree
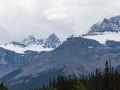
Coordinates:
[105,85]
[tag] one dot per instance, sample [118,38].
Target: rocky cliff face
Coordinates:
[10,61]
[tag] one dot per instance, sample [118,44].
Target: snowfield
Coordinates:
[102,37]
[19,49]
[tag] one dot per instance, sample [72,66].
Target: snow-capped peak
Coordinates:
[52,41]
[108,29]
[34,44]
[111,25]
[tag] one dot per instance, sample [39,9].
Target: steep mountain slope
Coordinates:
[33,44]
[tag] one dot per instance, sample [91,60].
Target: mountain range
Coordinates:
[77,56]
[15,55]
[33,44]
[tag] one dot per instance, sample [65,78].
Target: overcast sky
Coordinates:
[20,18]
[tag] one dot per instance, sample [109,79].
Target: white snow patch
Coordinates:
[18,49]
[27,81]
[18,82]
[101,38]
[90,47]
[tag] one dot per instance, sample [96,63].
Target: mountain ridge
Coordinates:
[15,55]
[112,25]
[34,44]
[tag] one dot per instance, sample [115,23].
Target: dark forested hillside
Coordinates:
[107,80]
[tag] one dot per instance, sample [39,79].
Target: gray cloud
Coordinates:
[20,18]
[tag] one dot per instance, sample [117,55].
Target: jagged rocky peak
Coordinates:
[34,44]
[31,39]
[109,25]
[41,41]
[52,41]
[53,37]
[25,42]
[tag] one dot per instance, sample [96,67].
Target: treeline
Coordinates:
[3,87]
[109,79]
